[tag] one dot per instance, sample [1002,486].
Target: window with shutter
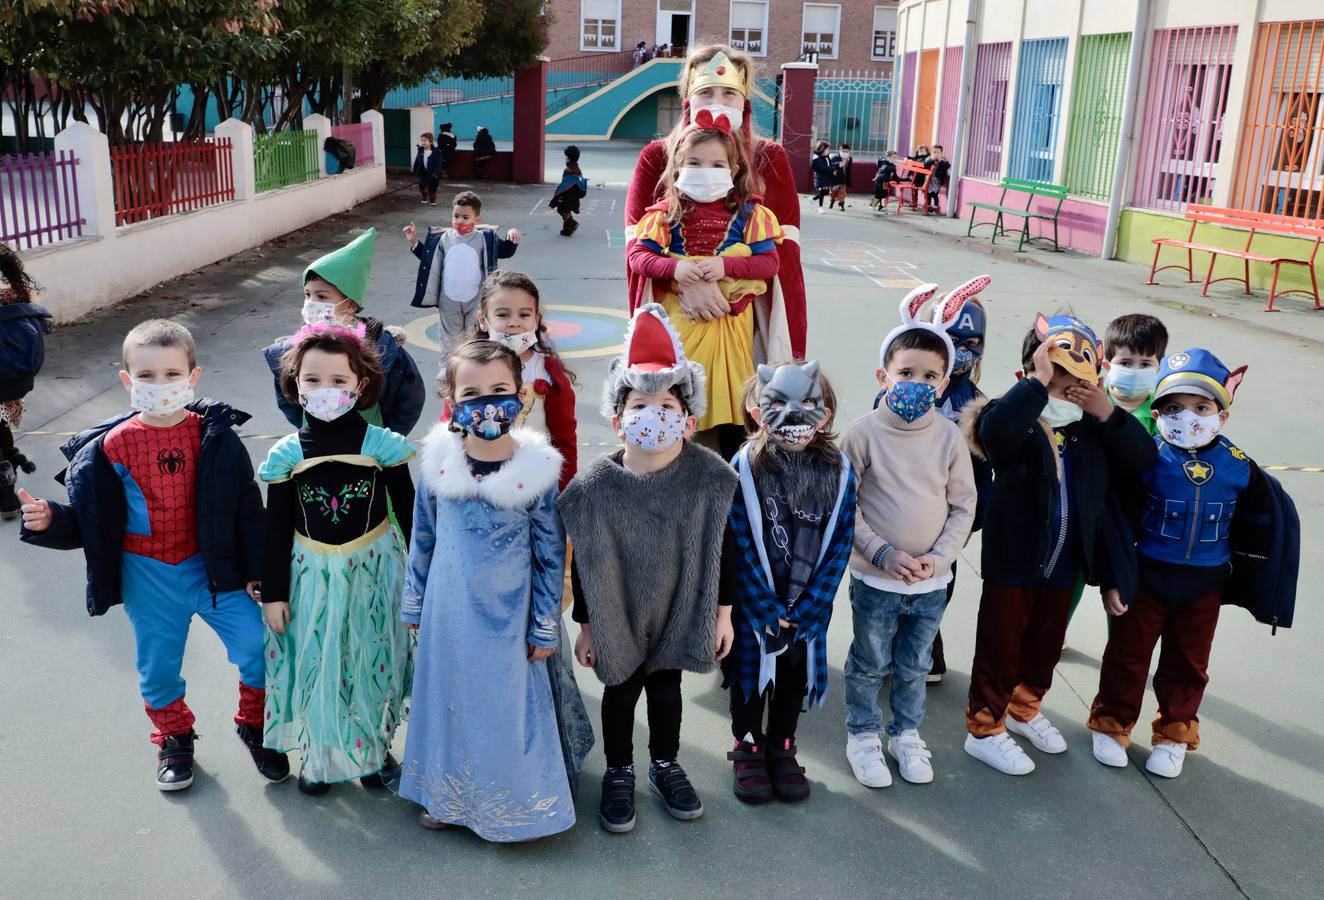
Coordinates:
[884,33]
[599,20]
[749,26]
[821,24]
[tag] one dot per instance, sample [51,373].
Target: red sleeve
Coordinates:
[760,266]
[778,184]
[560,408]
[647,264]
[642,194]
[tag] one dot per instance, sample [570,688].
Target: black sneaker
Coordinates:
[616,813]
[272,765]
[312,788]
[174,770]
[669,781]
[377,780]
[9,502]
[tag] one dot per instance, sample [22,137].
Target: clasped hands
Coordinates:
[696,282]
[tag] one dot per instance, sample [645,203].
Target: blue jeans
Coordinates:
[893,636]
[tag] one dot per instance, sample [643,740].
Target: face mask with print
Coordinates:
[160,399]
[1188,430]
[487,417]
[911,399]
[328,404]
[516,343]
[315,311]
[703,183]
[463,227]
[1132,383]
[734,114]
[653,427]
[1059,413]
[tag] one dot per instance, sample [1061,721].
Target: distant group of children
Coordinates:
[932,181]
[677,558]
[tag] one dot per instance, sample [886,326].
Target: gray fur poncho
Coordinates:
[648,549]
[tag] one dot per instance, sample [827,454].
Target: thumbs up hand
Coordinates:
[37,514]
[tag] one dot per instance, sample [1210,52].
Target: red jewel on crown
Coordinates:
[721,70]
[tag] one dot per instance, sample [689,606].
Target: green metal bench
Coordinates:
[1031,189]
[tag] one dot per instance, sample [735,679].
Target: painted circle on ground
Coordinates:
[578,332]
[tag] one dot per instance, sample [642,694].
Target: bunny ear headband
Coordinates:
[949,307]
[358,332]
[910,321]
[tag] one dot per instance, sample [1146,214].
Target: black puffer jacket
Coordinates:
[231,521]
[1018,515]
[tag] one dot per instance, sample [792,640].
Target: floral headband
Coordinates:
[358,332]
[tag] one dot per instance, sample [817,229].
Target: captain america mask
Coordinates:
[791,405]
[967,334]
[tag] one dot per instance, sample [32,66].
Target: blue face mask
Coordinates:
[487,417]
[1132,383]
[911,399]
[965,360]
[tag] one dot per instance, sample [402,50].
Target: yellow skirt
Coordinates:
[725,349]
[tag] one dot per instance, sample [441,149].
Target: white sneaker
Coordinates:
[1040,732]
[1109,752]
[820,210]
[865,752]
[1000,752]
[912,757]
[1166,759]
[933,678]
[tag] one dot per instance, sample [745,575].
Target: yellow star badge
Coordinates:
[1197,471]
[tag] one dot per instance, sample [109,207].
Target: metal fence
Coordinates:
[988,110]
[285,158]
[444,91]
[39,199]
[360,135]
[1038,109]
[853,108]
[158,179]
[1096,114]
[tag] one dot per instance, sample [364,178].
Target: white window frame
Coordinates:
[730,27]
[584,48]
[836,32]
[873,35]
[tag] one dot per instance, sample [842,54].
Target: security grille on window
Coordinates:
[884,32]
[822,120]
[821,23]
[749,21]
[599,19]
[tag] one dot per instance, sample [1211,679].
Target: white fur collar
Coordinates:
[534,468]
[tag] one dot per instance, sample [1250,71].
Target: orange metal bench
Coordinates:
[908,169]
[1254,223]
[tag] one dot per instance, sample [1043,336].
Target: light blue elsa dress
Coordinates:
[484,581]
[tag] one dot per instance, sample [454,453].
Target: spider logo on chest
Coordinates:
[171,461]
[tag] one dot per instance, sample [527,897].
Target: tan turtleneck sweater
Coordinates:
[916,488]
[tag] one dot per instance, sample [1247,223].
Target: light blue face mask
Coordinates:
[1132,383]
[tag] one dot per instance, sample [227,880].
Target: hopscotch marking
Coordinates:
[869,260]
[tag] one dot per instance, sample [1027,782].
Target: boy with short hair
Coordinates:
[648,525]
[1193,492]
[1054,441]
[452,263]
[916,505]
[572,189]
[427,167]
[938,178]
[163,504]
[1133,347]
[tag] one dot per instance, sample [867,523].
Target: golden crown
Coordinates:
[718,72]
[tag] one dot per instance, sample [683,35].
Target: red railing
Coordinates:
[155,180]
[360,135]
[39,199]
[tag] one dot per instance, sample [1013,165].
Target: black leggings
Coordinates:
[939,666]
[784,700]
[618,703]
[6,437]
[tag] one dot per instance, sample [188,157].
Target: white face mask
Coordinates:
[704,184]
[327,404]
[1188,430]
[160,399]
[315,311]
[653,427]
[734,114]
[1059,413]
[517,343]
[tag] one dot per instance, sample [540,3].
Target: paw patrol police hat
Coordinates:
[1197,371]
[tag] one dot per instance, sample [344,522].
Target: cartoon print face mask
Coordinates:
[517,343]
[487,417]
[1188,430]
[315,311]
[653,427]
[791,404]
[911,399]
[328,404]
[160,399]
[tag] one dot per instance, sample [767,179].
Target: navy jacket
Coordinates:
[430,169]
[402,398]
[231,521]
[1266,552]
[494,248]
[822,168]
[1018,514]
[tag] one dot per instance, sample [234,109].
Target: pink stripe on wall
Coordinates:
[907,102]
[951,90]
[1080,224]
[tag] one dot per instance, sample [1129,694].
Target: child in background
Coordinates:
[335,288]
[883,177]
[841,174]
[648,525]
[452,263]
[572,189]
[163,503]
[23,327]
[916,506]
[791,526]
[709,227]
[821,166]
[337,653]
[484,151]
[1185,564]
[446,144]
[938,178]
[1133,348]
[1054,441]
[427,168]
[484,590]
